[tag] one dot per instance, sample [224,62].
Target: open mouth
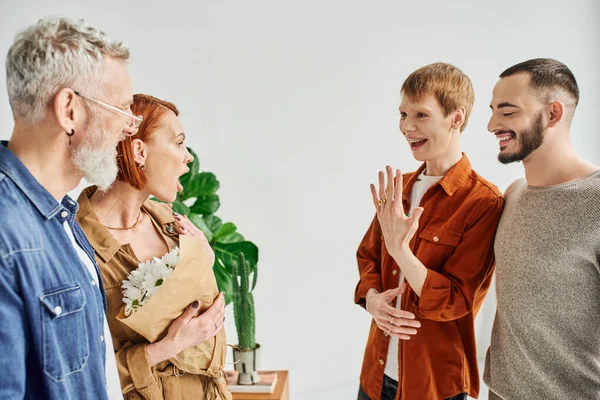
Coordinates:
[179,185]
[504,139]
[416,144]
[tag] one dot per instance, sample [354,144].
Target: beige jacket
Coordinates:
[116,261]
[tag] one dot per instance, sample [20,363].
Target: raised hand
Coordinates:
[397,227]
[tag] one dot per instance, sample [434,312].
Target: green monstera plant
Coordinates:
[199,201]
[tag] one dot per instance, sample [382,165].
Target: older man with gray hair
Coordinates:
[70,94]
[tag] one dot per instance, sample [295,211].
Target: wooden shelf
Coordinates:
[281,392]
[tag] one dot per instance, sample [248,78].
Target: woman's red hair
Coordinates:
[152,110]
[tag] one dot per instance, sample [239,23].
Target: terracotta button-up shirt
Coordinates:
[455,242]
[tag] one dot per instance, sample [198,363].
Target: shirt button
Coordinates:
[58,310]
[64,214]
[381,361]
[394,272]
[436,239]
[102,338]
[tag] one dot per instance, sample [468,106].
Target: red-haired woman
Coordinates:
[125,228]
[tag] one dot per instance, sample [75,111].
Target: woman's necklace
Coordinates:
[126,228]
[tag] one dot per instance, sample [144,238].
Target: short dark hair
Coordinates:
[547,74]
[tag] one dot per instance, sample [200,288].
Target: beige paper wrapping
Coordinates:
[192,279]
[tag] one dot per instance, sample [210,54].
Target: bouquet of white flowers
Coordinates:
[159,291]
[143,282]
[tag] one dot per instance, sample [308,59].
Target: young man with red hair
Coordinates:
[429,251]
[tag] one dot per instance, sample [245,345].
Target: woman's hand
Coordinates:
[188,330]
[185,227]
[393,322]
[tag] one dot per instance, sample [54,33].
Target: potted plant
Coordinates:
[199,201]
[235,260]
[246,356]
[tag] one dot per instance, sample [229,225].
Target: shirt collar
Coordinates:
[12,167]
[451,181]
[105,245]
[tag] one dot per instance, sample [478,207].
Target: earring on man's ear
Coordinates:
[70,134]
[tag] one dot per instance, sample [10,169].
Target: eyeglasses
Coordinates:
[135,120]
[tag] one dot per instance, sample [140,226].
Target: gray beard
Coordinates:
[96,162]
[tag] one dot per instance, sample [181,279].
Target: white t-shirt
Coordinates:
[422,184]
[113,384]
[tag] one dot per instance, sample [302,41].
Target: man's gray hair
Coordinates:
[53,54]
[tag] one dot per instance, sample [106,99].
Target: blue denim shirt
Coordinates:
[51,310]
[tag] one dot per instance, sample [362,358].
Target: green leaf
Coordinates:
[213,222]
[203,184]
[225,229]
[224,282]
[180,208]
[194,167]
[197,220]
[228,253]
[214,229]
[158,282]
[206,204]
[206,183]
[234,237]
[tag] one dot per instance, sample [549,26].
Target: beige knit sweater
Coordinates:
[546,335]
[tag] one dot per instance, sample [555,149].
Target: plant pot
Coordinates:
[247,364]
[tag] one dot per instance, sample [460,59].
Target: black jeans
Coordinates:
[388,391]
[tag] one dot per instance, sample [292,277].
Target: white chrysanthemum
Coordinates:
[137,276]
[172,258]
[133,298]
[145,272]
[143,282]
[143,267]
[155,275]
[128,306]
[134,293]
[130,284]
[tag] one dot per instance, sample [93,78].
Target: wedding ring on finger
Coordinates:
[382,201]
